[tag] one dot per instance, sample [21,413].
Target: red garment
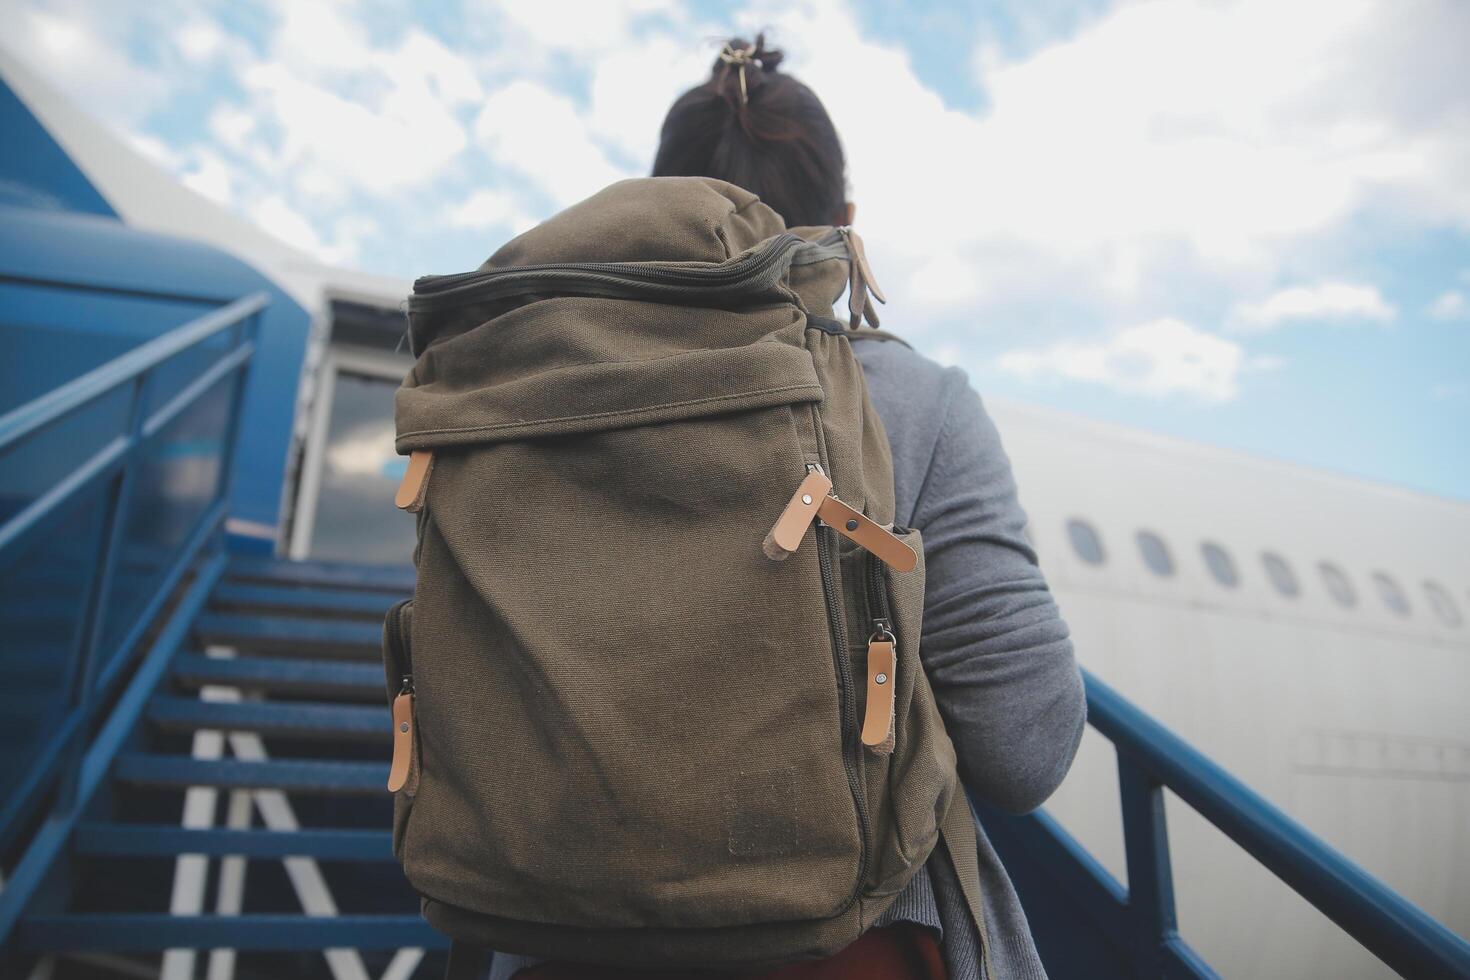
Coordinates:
[903,951]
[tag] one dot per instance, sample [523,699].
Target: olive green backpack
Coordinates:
[657,698]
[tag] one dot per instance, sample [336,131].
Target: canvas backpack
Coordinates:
[657,698]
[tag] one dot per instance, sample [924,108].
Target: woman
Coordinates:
[993,644]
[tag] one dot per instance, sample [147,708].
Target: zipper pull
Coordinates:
[403,773]
[786,534]
[883,543]
[878,727]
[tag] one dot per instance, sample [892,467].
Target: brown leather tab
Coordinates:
[878,733]
[404,738]
[859,254]
[415,485]
[866,532]
[785,536]
[857,293]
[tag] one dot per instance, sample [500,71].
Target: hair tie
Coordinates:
[739,57]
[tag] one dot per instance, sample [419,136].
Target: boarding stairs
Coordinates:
[208,796]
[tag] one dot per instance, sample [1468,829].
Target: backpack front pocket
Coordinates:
[404,766]
[629,715]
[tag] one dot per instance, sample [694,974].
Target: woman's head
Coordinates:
[760,130]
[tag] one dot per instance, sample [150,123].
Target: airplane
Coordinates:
[1307,630]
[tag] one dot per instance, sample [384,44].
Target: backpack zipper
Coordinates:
[753,272]
[847,705]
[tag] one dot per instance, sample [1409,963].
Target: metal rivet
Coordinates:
[852,525]
[881,678]
[806,498]
[403,728]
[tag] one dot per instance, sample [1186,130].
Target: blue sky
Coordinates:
[1245,223]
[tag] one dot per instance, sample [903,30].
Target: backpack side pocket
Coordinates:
[403,775]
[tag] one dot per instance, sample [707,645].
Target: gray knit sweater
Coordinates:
[993,644]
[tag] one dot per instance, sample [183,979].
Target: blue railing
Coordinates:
[1140,919]
[89,557]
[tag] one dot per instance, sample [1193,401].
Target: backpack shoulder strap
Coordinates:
[873,333]
[829,325]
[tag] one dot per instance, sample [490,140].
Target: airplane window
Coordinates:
[1280,574]
[1338,585]
[1085,541]
[1155,554]
[1393,597]
[1221,565]
[1444,606]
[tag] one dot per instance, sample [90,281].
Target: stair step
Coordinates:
[357,603]
[272,718]
[339,575]
[169,840]
[292,635]
[292,775]
[318,678]
[150,933]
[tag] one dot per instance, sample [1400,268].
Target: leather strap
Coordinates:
[415,485]
[785,536]
[402,769]
[860,253]
[865,531]
[878,716]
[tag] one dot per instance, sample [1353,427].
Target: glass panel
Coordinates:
[1221,565]
[355,517]
[44,458]
[1443,605]
[43,590]
[176,475]
[1338,585]
[1155,554]
[1388,590]
[1280,574]
[1085,541]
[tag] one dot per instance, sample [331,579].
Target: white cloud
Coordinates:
[212,177]
[536,133]
[1324,302]
[1450,305]
[1206,140]
[633,86]
[1160,357]
[279,218]
[199,40]
[489,208]
[83,60]
[575,25]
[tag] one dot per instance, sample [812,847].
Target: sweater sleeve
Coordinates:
[994,644]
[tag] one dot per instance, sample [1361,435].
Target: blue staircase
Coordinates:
[197,707]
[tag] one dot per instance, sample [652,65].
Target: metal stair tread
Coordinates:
[281,674]
[270,718]
[134,932]
[297,775]
[101,839]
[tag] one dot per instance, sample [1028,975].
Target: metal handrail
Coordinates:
[54,405]
[89,667]
[1151,758]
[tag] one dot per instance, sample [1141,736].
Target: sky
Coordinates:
[1241,222]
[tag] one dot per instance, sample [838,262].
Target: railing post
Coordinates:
[1150,876]
[245,332]
[114,527]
